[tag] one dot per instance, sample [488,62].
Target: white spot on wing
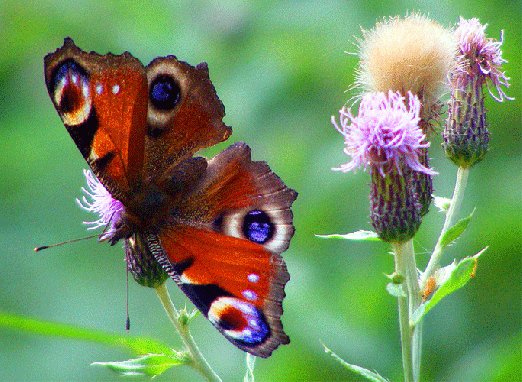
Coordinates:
[253,278]
[250,295]
[99,88]
[116,89]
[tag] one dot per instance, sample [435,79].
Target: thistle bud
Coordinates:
[395,212]
[142,264]
[140,261]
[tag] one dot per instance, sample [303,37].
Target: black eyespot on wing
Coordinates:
[83,135]
[164,92]
[258,227]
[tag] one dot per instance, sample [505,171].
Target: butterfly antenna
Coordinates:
[38,249]
[127,321]
[100,238]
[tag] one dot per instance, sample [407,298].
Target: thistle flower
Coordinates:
[480,58]
[102,203]
[141,263]
[466,135]
[385,134]
[386,139]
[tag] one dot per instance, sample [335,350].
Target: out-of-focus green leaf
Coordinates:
[370,375]
[360,235]
[140,345]
[454,232]
[150,364]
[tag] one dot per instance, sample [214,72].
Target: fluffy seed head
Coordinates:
[407,54]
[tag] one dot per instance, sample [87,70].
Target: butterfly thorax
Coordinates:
[153,204]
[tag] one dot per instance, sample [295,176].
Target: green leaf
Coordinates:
[360,235]
[140,345]
[372,376]
[454,232]
[441,203]
[150,364]
[449,279]
[185,317]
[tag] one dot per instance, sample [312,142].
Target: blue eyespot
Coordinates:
[164,92]
[258,227]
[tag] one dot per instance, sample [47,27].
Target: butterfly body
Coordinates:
[216,226]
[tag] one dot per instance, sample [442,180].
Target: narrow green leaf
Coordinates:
[449,279]
[360,235]
[140,345]
[372,376]
[151,364]
[454,232]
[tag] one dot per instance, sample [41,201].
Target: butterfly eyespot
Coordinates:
[258,227]
[164,93]
[71,92]
[240,320]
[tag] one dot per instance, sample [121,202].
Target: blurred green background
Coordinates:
[280,69]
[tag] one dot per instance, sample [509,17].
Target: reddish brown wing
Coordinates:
[185,113]
[132,123]
[102,104]
[226,257]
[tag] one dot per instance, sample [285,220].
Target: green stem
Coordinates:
[414,301]
[451,216]
[198,361]
[405,266]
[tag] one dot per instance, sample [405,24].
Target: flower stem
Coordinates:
[411,338]
[198,361]
[451,216]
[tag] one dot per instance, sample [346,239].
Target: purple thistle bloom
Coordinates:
[141,263]
[466,135]
[385,134]
[108,208]
[481,58]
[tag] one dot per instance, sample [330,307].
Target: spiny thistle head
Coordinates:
[466,135]
[140,261]
[408,54]
[142,264]
[479,57]
[386,139]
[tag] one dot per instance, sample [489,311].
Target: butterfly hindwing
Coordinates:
[228,259]
[184,115]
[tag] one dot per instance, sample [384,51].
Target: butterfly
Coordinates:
[216,226]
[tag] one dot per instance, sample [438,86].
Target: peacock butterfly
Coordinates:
[217,226]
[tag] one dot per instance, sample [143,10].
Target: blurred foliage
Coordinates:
[280,69]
